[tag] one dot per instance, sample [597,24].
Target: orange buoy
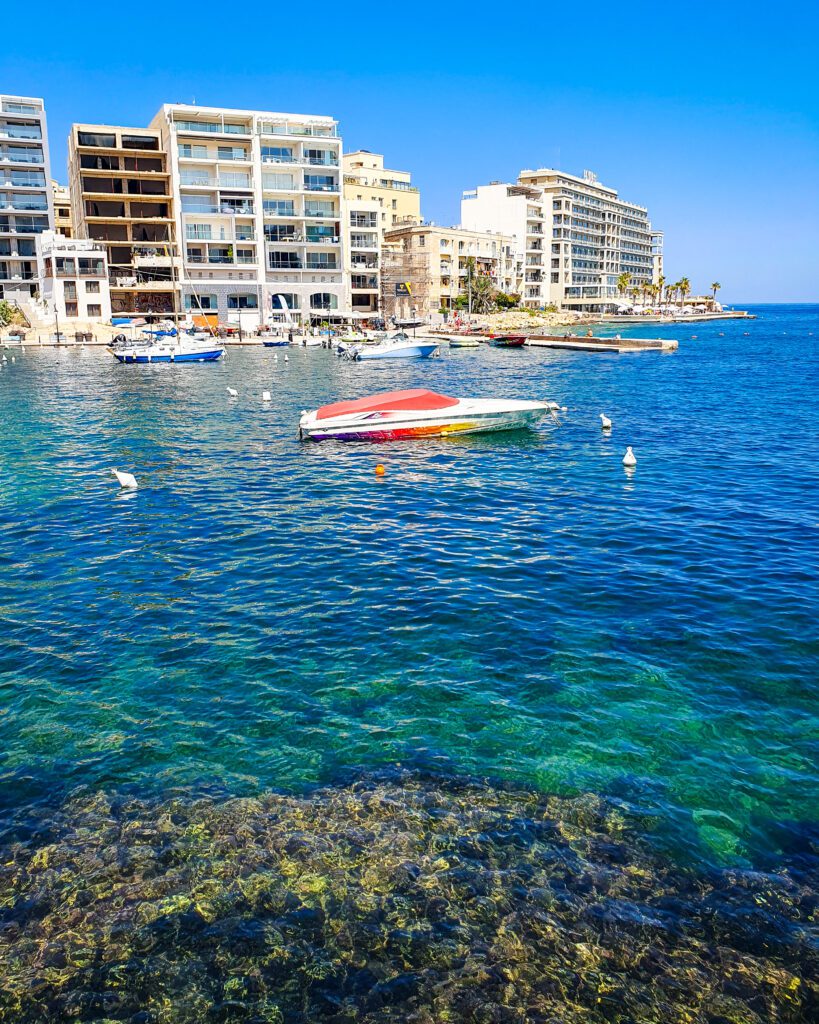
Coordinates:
[379,470]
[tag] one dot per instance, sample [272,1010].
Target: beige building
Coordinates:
[426,267]
[366,179]
[63,222]
[121,197]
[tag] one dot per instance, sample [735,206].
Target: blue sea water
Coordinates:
[266,614]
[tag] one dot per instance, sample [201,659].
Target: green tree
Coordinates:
[684,287]
[660,286]
[623,281]
[715,287]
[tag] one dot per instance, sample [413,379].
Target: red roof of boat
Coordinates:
[416,400]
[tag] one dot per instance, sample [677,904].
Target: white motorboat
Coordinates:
[397,415]
[399,346]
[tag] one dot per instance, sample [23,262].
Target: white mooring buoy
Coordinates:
[126,480]
[265,396]
[629,459]
[605,421]
[232,392]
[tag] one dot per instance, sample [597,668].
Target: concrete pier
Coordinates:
[582,344]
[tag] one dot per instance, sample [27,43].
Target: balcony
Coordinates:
[212,128]
[328,267]
[20,132]
[21,158]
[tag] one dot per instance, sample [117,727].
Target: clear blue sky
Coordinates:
[706,113]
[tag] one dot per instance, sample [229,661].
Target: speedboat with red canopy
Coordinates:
[397,415]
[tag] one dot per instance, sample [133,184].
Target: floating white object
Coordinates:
[287,359]
[564,408]
[605,421]
[629,459]
[232,392]
[265,396]
[125,479]
[275,358]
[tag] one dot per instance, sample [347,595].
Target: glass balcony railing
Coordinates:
[312,265]
[308,187]
[213,128]
[12,157]
[18,131]
[200,208]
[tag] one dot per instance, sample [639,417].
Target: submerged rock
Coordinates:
[395,899]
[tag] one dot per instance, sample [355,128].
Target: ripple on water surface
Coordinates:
[264,614]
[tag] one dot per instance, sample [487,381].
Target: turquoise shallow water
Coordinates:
[263,614]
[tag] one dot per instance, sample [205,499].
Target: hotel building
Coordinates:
[26,207]
[591,236]
[120,197]
[257,200]
[426,267]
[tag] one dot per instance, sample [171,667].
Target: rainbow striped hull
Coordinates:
[463,416]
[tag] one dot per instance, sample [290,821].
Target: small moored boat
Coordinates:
[508,341]
[167,347]
[399,346]
[399,415]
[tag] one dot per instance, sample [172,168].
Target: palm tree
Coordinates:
[684,287]
[623,281]
[660,284]
[715,287]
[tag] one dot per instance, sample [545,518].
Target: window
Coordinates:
[93,310]
[232,153]
[242,301]
[279,232]
[93,139]
[284,300]
[320,183]
[278,207]
[395,204]
[278,181]
[196,152]
[323,300]
[284,260]
[277,154]
[200,303]
[422,240]
[92,287]
[139,142]
[71,309]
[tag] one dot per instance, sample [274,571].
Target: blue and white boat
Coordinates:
[399,346]
[167,346]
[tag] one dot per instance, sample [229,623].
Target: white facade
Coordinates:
[363,252]
[590,237]
[73,278]
[257,200]
[514,210]
[26,207]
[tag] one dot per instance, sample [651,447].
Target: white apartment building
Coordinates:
[363,254]
[517,211]
[73,278]
[257,201]
[26,207]
[590,234]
